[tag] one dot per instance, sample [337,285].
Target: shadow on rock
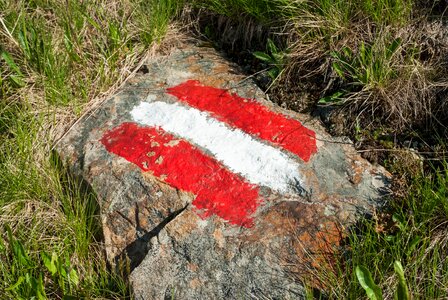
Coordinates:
[136,251]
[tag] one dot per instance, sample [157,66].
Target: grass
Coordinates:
[380,63]
[382,58]
[413,231]
[57,58]
[380,67]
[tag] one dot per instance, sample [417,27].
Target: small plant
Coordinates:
[61,271]
[274,58]
[27,282]
[15,76]
[366,281]
[371,67]
[336,99]
[374,292]
[402,292]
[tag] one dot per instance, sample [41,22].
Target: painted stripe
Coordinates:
[249,116]
[176,162]
[259,163]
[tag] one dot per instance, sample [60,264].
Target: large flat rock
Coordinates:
[209,190]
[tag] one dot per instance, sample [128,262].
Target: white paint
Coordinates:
[259,163]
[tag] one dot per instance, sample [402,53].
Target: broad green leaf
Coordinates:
[271,47]
[37,287]
[62,271]
[338,69]
[390,238]
[402,292]
[17,80]
[20,253]
[10,62]
[73,277]
[41,289]
[332,99]
[50,262]
[413,244]
[278,58]
[263,56]
[273,73]
[366,281]
[17,284]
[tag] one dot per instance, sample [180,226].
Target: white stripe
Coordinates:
[259,163]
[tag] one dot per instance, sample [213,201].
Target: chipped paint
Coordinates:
[218,191]
[259,163]
[249,116]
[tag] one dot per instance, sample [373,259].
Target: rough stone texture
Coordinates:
[172,250]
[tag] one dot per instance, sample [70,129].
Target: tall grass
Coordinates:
[56,57]
[381,65]
[414,232]
[344,48]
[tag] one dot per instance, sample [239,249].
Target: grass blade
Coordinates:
[366,281]
[402,292]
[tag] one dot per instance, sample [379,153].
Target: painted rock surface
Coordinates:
[210,191]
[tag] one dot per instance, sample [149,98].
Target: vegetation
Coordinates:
[382,58]
[57,57]
[411,235]
[383,74]
[379,66]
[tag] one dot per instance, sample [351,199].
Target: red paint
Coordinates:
[176,162]
[249,116]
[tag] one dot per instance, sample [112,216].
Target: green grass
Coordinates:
[261,10]
[373,57]
[413,232]
[55,57]
[377,56]
[375,51]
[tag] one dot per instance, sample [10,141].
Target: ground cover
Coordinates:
[57,59]
[373,70]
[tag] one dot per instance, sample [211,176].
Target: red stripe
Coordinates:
[249,116]
[218,191]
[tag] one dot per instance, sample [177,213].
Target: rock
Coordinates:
[211,191]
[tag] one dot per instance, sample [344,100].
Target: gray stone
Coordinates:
[172,251]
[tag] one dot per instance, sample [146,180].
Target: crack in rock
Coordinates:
[137,250]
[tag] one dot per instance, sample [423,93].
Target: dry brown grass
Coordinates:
[414,98]
[412,94]
[84,52]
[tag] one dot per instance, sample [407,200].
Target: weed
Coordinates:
[400,248]
[15,76]
[372,67]
[367,283]
[275,59]
[374,292]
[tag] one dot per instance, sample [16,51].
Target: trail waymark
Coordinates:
[219,146]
